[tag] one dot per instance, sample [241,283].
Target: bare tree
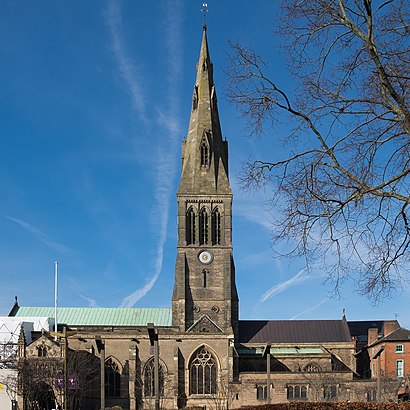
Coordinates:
[342,188]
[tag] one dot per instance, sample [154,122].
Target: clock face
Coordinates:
[205,257]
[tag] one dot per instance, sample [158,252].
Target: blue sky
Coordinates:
[95,101]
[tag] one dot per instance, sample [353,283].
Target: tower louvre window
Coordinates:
[203,227]
[190,226]
[216,227]
[204,154]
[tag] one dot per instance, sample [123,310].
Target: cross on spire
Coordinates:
[204,10]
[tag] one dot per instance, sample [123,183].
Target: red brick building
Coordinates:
[391,351]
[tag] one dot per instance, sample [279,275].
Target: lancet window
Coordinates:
[149,379]
[216,227]
[190,226]
[204,278]
[203,227]
[204,154]
[203,373]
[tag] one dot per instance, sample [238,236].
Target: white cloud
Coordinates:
[40,235]
[126,68]
[299,278]
[310,309]
[166,152]
[91,302]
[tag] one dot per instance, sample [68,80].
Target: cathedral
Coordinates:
[197,354]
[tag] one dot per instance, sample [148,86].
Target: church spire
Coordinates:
[205,297]
[205,154]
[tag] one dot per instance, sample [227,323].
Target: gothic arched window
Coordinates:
[112,379]
[216,227]
[204,154]
[203,373]
[312,368]
[190,227]
[42,351]
[149,379]
[203,227]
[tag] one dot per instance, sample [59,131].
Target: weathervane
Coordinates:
[204,11]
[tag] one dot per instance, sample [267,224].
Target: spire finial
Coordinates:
[204,11]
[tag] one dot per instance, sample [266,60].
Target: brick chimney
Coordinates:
[372,334]
[389,326]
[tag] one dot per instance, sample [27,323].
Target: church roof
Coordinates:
[100,316]
[293,331]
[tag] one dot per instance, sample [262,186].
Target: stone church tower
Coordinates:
[205,298]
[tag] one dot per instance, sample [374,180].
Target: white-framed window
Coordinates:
[400,368]
[399,348]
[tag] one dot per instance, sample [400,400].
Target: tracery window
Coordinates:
[203,373]
[149,379]
[42,351]
[312,368]
[203,227]
[296,392]
[216,227]
[112,379]
[190,226]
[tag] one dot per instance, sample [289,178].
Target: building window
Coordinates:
[261,392]
[400,368]
[203,373]
[42,351]
[149,379]
[371,395]
[329,392]
[399,348]
[204,277]
[204,155]
[216,227]
[190,227]
[112,379]
[203,227]
[312,368]
[296,392]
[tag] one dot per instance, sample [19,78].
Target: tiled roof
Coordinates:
[398,335]
[101,316]
[293,331]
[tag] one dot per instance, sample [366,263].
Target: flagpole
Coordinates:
[55,297]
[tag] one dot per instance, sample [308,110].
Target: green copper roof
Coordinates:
[101,316]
